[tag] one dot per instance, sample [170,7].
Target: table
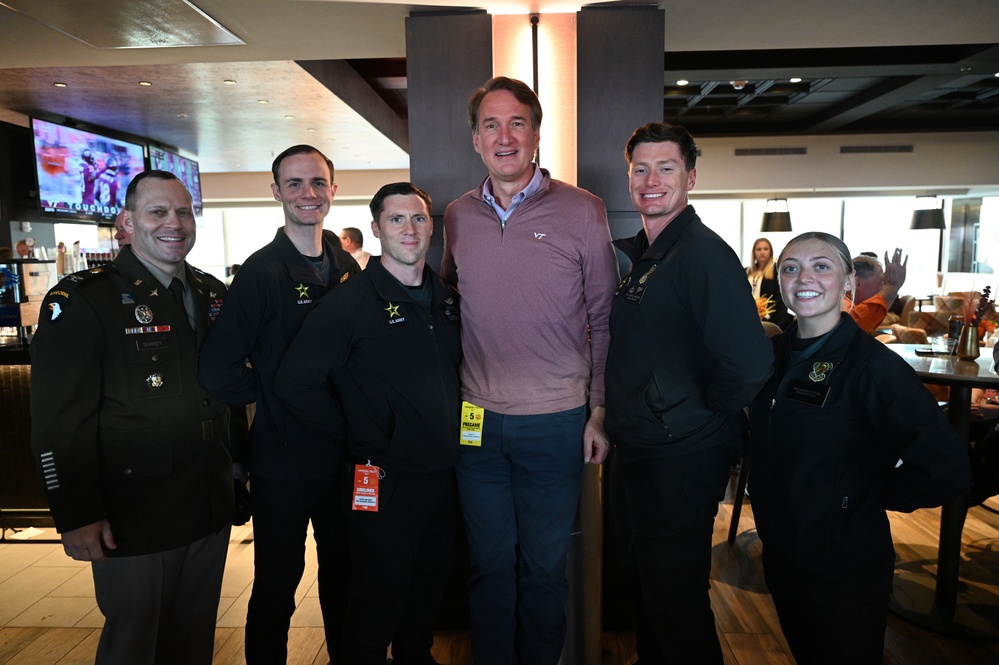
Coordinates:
[944,608]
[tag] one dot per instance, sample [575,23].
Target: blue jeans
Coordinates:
[519,493]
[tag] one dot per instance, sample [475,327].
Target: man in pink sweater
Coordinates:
[532,259]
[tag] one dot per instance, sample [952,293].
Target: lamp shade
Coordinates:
[932,218]
[776,221]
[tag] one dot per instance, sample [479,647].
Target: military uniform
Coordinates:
[123,431]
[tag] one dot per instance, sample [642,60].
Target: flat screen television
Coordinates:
[182,167]
[82,174]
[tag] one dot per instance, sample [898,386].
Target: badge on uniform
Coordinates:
[143,314]
[808,393]
[154,381]
[366,479]
[820,370]
[394,317]
[636,289]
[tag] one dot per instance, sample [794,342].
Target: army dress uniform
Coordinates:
[121,428]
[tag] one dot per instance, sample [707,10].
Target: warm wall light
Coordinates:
[776,217]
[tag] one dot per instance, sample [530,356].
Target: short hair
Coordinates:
[865,266]
[355,235]
[333,238]
[300,149]
[132,193]
[664,132]
[519,89]
[377,205]
[838,246]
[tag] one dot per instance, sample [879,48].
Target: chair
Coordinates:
[740,494]
[771,329]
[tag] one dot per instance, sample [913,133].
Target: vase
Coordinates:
[967,343]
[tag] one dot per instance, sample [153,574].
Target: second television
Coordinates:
[182,167]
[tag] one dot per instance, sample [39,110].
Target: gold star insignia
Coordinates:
[303,290]
[393,310]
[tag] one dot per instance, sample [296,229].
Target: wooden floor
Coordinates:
[747,624]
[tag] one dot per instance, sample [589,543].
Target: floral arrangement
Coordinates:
[765,306]
[977,306]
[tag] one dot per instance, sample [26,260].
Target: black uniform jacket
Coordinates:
[270,296]
[394,367]
[687,351]
[120,426]
[827,432]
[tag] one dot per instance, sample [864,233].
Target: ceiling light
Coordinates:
[182,115]
[738,85]
[311,129]
[229,82]
[60,84]
[776,217]
[289,117]
[795,79]
[927,214]
[685,81]
[145,83]
[262,101]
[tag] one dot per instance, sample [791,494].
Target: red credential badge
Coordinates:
[366,479]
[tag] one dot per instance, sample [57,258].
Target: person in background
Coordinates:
[876,289]
[389,341]
[121,233]
[352,241]
[687,355]
[233,269]
[843,431]
[532,259]
[763,278]
[134,454]
[292,466]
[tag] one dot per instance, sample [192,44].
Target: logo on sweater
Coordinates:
[539,236]
[819,371]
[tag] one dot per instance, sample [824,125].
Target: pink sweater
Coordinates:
[529,294]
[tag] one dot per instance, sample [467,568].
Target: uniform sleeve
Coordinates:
[935,467]
[319,349]
[600,279]
[66,391]
[722,304]
[222,362]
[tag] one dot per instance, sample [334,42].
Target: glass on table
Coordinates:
[942,345]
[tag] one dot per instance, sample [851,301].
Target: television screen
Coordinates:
[182,167]
[82,174]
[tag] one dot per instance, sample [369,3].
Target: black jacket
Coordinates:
[270,296]
[394,366]
[120,426]
[827,432]
[687,350]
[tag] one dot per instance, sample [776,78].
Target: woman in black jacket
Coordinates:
[843,431]
[762,275]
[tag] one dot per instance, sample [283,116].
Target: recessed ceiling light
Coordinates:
[289,117]
[262,101]
[795,79]
[682,82]
[311,129]
[229,82]
[60,84]
[145,83]
[181,115]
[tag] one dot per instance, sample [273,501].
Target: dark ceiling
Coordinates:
[841,91]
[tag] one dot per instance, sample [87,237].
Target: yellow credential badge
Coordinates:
[471,424]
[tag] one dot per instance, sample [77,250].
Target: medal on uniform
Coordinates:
[143,314]
[154,381]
